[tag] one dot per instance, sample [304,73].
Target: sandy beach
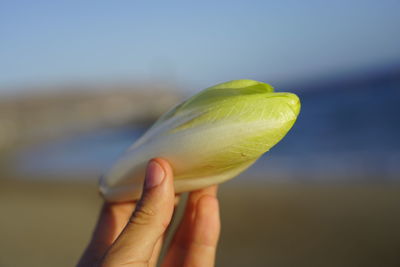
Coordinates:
[49,224]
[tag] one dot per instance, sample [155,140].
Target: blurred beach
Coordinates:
[327,195]
[315,200]
[50,223]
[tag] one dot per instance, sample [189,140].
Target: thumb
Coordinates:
[149,221]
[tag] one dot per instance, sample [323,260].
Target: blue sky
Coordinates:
[195,43]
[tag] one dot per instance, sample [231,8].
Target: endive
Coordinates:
[208,139]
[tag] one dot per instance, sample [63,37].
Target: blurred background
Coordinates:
[81,80]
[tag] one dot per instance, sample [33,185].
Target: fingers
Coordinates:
[113,218]
[150,219]
[205,233]
[201,212]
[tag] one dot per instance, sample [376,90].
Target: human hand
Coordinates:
[130,234]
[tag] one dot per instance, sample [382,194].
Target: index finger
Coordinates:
[112,220]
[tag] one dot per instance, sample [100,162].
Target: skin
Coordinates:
[132,234]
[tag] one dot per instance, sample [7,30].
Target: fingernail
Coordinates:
[154,175]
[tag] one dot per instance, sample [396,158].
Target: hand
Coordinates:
[130,234]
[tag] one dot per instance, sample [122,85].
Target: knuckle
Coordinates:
[143,216]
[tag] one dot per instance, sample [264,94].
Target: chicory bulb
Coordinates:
[208,139]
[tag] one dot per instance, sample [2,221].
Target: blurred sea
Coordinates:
[348,130]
